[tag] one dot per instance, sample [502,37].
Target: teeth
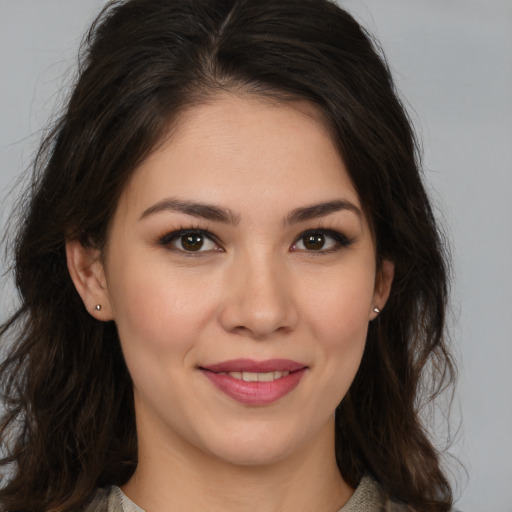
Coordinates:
[258,377]
[249,377]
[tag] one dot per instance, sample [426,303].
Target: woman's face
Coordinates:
[240,272]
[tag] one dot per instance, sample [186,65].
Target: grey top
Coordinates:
[367,497]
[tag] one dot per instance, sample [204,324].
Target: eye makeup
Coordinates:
[196,241]
[190,241]
[321,241]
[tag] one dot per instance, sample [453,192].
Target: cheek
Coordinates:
[339,310]
[338,317]
[156,311]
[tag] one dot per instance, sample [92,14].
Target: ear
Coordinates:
[87,273]
[383,282]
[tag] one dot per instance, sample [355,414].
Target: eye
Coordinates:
[320,240]
[191,241]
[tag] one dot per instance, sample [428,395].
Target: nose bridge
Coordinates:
[260,301]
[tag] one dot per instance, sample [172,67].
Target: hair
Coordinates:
[69,423]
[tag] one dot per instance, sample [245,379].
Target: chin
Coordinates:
[246,455]
[253,447]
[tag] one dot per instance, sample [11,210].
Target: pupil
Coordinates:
[192,242]
[314,242]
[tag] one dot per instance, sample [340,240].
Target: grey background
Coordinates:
[452,63]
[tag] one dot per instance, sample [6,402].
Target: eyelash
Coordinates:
[341,241]
[168,239]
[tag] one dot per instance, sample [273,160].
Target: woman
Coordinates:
[232,283]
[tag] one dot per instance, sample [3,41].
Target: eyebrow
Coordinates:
[225,215]
[201,210]
[321,210]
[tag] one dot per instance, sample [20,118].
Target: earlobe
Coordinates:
[87,273]
[383,282]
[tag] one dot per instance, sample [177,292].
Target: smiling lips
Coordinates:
[255,382]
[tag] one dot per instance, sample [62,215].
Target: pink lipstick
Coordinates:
[255,382]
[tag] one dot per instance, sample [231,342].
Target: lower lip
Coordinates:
[255,393]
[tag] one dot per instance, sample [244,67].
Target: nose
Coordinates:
[259,301]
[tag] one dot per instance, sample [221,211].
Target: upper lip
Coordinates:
[250,365]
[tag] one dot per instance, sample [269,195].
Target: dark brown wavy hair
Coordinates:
[68,421]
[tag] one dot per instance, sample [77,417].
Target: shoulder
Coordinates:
[101,501]
[369,497]
[109,499]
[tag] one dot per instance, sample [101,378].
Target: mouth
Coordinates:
[255,383]
[256,377]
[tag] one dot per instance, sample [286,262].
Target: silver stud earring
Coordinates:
[376,310]
[97,307]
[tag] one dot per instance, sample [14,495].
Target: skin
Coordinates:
[256,290]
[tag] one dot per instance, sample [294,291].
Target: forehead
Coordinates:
[241,148]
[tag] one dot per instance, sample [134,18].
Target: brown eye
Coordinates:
[188,241]
[321,241]
[313,241]
[192,242]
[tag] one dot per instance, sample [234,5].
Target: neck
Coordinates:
[174,476]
